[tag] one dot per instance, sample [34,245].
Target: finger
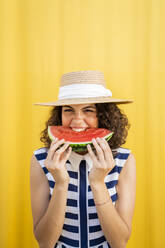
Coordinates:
[53,147]
[66,156]
[107,152]
[60,151]
[53,142]
[105,146]
[99,150]
[92,155]
[108,146]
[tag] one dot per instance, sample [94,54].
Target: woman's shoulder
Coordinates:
[125,153]
[123,150]
[41,153]
[121,156]
[40,150]
[129,165]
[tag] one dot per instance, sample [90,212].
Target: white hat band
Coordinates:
[82,91]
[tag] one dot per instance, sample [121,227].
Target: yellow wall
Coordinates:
[40,40]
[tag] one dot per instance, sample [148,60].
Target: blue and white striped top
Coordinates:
[81,225]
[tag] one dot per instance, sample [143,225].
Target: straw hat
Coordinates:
[81,87]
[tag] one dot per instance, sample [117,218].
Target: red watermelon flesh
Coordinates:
[78,140]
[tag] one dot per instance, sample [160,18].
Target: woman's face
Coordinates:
[79,116]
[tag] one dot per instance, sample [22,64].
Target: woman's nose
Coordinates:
[78,115]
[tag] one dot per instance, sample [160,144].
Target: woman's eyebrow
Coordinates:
[90,107]
[67,106]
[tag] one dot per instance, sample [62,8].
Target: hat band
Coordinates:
[83,91]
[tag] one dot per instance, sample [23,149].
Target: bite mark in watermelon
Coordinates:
[78,140]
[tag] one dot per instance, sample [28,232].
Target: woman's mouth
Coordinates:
[78,129]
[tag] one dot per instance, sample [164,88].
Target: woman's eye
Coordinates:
[67,110]
[88,110]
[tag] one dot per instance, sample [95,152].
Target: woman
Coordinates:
[84,199]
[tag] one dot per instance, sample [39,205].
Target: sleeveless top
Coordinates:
[81,224]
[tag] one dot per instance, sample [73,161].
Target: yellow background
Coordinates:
[42,39]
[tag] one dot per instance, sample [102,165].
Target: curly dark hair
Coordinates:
[110,116]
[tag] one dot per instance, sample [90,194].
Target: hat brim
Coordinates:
[85,100]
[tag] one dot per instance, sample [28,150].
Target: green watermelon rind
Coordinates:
[107,137]
[50,134]
[81,146]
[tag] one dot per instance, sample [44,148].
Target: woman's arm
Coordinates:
[49,228]
[48,215]
[116,221]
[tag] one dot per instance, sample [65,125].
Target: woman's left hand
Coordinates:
[103,163]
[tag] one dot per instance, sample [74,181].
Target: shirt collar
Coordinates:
[76,158]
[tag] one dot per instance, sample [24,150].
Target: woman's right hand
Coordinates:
[56,161]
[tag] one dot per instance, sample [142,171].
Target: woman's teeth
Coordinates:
[78,129]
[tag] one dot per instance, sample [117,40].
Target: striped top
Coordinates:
[81,225]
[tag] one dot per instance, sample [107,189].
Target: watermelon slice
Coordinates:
[78,140]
